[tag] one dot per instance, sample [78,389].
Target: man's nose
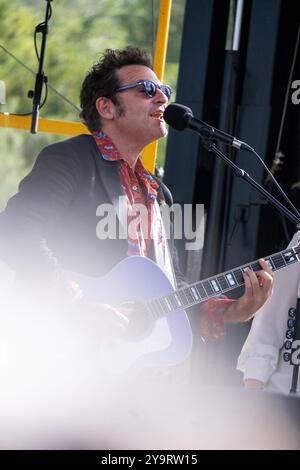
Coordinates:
[160,97]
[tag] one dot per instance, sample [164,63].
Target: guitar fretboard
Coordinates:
[215,286]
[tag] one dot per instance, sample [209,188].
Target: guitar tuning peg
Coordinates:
[289,334]
[286,357]
[292,312]
[288,345]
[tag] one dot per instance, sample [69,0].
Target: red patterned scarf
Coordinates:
[140,189]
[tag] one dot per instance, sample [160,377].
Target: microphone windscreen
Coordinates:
[177,116]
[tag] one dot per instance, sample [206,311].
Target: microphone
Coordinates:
[181,117]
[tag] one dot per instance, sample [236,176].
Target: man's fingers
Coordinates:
[248,283]
[265,266]
[265,280]
[259,282]
[265,276]
[252,286]
[258,288]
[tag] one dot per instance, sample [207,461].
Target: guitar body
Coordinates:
[138,279]
[169,339]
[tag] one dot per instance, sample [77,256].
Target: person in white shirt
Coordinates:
[261,359]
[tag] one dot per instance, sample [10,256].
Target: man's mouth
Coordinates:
[157,115]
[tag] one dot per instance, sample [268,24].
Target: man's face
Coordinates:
[138,116]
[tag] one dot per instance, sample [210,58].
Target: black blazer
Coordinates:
[51,222]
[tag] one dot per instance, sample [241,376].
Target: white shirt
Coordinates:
[261,357]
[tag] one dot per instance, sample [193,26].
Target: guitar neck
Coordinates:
[215,286]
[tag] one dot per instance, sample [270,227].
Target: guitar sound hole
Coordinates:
[140,321]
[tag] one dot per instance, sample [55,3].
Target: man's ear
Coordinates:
[105,107]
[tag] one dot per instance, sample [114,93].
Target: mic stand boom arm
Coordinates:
[211,147]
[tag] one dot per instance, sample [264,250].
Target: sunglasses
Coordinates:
[149,88]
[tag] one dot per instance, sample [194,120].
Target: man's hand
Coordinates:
[258,288]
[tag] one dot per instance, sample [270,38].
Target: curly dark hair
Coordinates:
[102,80]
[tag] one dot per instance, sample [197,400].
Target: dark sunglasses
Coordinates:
[150,88]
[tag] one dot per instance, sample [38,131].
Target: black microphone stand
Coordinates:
[40,76]
[211,147]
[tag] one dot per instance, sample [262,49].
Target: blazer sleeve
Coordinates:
[43,197]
